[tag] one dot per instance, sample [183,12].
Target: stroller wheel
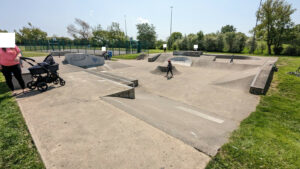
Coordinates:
[31,85]
[62,82]
[42,86]
[56,81]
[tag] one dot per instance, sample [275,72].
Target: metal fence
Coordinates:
[88,47]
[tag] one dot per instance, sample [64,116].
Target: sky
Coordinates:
[189,16]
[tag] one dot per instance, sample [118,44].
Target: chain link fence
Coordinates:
[88,47]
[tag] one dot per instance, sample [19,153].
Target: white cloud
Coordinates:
[142,20]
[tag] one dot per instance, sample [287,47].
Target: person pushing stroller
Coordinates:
[169,69]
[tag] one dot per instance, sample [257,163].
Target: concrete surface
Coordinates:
[74,127]
[214,89]
[84,60]
[78,126]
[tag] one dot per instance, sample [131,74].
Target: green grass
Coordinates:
[16,146]
[270,136]
[127,56]
[34,54]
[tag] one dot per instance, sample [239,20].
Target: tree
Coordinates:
[192,39]
[235,42]
[100,36]
[146,34]
[3,30]
[200,39]
[229,39]
[174,36]
[228,28]
[159,44]
[30,33]
[210,42]
[275,21]
[83,32]
[115,34]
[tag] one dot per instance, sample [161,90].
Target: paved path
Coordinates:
[199,128]
[73,127]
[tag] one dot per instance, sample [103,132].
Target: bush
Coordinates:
[292,51]
[277,50]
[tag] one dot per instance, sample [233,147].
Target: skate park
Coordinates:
[129,105]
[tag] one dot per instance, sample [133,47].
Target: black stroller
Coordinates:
[43,73]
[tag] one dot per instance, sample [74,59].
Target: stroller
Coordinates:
[43,73]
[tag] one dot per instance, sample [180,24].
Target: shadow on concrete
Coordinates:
[34,92]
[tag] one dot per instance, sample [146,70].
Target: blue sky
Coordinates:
[189,16]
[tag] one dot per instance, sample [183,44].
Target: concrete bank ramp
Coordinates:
[181,60]
[225,66]
[238,80]
[111,65]
[263,78]
[164,57]
[83,60]
[73,128]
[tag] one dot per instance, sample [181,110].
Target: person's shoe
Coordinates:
[13,93]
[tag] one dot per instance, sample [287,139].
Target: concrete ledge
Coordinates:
[141,56]
[152,59]
[241,57]
[188,53]
[262,79]
[129,94]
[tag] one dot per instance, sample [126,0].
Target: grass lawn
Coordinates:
[270,136]
[127,56]
[16,146]
[34,54]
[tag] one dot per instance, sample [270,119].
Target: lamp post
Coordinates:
[171,20]
[254,33]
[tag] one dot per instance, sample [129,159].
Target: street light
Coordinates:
[171,21]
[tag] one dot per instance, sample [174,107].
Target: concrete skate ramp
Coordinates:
[160,70]
[111,65]
[238,80]
[241,57]
[188,53]
[185,61]
[164,57]
[83,60]
[263,78]
[226,66]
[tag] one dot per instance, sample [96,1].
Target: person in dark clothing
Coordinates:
[10,64]
[169,68]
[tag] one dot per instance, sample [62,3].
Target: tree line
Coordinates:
[275,32]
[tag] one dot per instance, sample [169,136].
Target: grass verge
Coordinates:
[270,136]
[34,54]
[16,146]
[127,56]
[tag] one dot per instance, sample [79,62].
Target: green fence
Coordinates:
[89,47]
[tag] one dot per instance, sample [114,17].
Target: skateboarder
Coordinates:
[169,69]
